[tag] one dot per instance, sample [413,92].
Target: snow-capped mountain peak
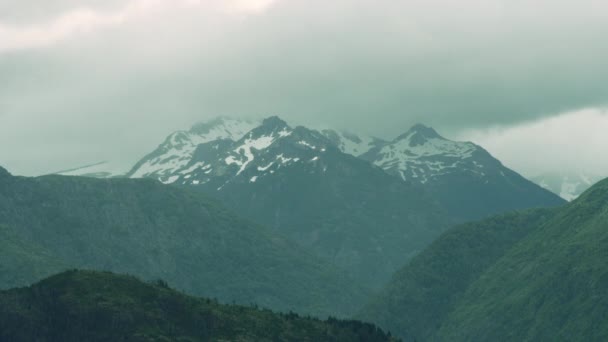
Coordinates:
[273,146]
[460,174]
[257,140]
[426,142]
[265,149]
[421,154]
[273,123]
[177,150]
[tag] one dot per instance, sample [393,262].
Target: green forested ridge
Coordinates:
[23,262]
[143,228]
[94,306]
[550,284]
[420,295]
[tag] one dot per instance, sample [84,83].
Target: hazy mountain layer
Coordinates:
[147,229]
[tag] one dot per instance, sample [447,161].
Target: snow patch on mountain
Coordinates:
[404,153]
[249,144]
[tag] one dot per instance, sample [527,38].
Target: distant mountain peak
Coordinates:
[270,127]
[4,172]
[419,134]
[274,122]
[206,127]
[422,128]
[178,149]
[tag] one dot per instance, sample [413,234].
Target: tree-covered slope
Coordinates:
[552,286]
[420,295]
[144,228]
[93,306]
[533,276]
[23,262]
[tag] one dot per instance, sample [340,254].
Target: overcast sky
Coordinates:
[88,80]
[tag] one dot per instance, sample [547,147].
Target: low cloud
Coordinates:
[570,142]
[67,25]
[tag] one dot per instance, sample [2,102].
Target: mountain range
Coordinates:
[467,181]
[537,275]
[366,204]
[295,181]
[419,155]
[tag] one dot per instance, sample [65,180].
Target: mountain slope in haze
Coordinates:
[465,178]
[519,277]
[567,185]
[93,306]
[150,230]
[420,295]
[296,181]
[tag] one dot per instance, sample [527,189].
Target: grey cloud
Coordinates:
[25,12]
[570,143]
[370,66]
